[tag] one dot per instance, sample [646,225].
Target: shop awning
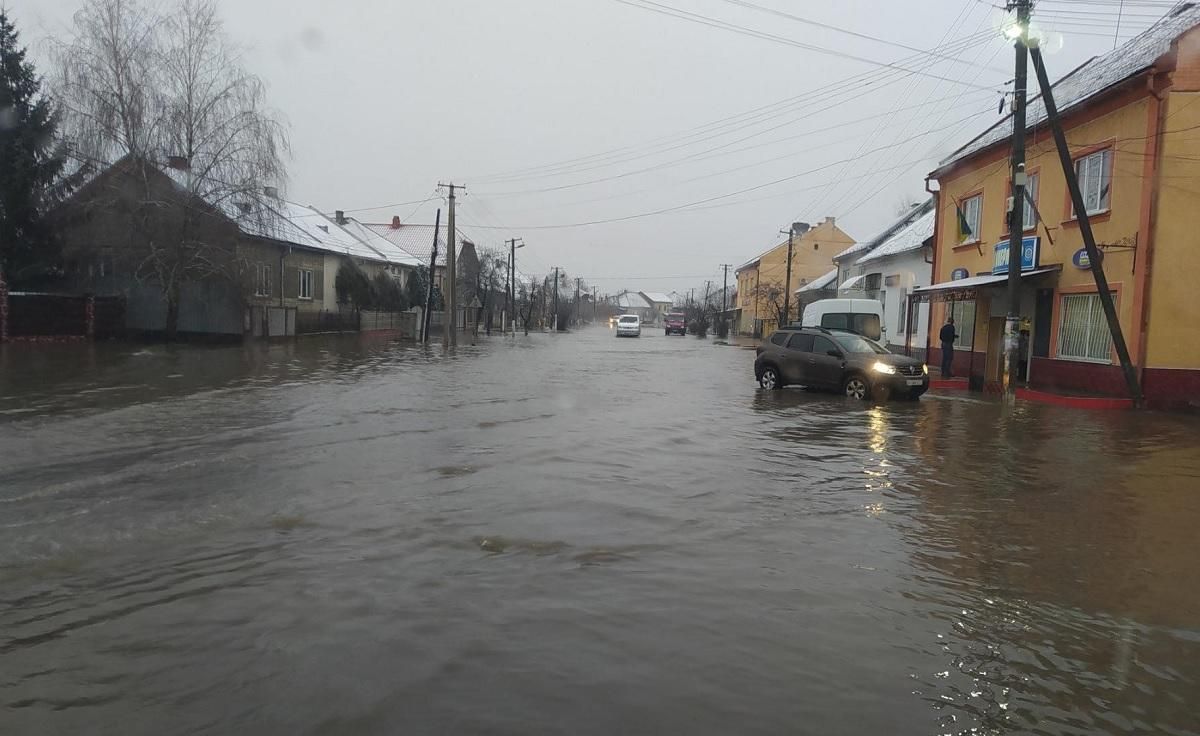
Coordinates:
[853,283]
[966,288]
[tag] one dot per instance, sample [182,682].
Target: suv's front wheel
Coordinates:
[856,387]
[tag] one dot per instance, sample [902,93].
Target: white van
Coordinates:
[864,316]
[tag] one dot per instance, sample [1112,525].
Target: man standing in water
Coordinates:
[948,336]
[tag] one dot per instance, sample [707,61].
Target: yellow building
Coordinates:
[760,282]
[1127,117]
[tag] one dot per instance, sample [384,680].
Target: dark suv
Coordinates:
[860,368]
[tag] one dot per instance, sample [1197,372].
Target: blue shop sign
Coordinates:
[1030,254]
[1081,259]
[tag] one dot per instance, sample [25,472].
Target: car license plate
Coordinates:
[915,381]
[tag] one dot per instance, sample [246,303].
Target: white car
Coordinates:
[629,325]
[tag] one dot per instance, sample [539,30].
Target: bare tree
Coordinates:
[167,90]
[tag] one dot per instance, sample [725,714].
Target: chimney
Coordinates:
[395,222]
[179,163]
[339,217]
[272,192]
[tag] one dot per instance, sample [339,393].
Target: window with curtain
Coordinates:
[971,209]
[1082,329]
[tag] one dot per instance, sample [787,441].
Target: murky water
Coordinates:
[576,535]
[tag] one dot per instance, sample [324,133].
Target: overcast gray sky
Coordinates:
[384,99]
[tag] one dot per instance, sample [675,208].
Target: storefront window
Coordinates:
[1083,331]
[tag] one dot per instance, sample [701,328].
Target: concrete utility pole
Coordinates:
[450,331]
[512,281]
[1016,226]
[725,289]
[1085,229]
[555,317]
[787,284]
[593,305]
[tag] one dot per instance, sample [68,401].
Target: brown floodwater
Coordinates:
[575,534]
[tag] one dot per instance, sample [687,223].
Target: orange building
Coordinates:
[1133,127]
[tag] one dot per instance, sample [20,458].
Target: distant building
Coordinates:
[632,302]
[659,303]
[760,281]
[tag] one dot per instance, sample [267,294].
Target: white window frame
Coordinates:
[262,280]
[1089,327]
[975,226]
[1094,172]
[304,288]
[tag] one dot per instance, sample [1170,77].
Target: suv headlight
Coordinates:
[881,367]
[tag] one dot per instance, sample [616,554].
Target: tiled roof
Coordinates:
[416,240]
[880,238]
[392,252]
[909,239]
[1095,76]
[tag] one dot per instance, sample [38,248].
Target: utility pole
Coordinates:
[787,284]
[512,280]
[554,319]
[437,226]
[1016,222]
[593,305]
[1085,229]
[450,334]
[578,316]
[725,289]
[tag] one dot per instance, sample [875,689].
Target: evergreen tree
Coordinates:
[31,162]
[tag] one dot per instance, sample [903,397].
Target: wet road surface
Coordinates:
[576,534]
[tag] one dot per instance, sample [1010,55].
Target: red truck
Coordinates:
[675,323]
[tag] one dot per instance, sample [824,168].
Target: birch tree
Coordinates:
[167,89]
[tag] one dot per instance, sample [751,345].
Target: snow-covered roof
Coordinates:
[389,250]
[880,238]
[1094,76]
[632,300]
[909,239]
[657,297]
[325,232]
[416,240]
[822,282]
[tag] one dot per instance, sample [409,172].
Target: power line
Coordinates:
[673,12]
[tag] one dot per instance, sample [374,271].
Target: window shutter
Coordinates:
[291,282]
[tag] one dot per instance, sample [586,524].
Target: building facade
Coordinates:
[760,282]
[1126,117]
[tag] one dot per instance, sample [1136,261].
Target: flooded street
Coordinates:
[575,534]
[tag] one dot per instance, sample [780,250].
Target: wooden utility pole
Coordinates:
[1016,226]
[555,317]
[437,225]
[593,305]
[1085,229]
[787,284]
[512,281]
[450,331]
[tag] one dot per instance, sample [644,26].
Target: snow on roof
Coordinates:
[909,239]
[657,297]
[819,283]
[632,300]
[325,231]
[416,240]
[389,250]
[1095,76]
[880,238]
